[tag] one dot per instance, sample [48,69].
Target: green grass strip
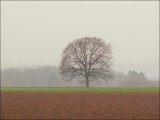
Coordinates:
[81,89]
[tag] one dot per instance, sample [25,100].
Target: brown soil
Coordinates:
[79,105]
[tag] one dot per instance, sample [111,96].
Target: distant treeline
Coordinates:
[49,76]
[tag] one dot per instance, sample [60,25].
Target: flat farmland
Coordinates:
[85,104]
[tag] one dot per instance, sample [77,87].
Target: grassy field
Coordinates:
[74,89]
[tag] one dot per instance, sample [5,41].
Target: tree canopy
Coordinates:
[88,58]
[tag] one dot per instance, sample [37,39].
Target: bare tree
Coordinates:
[87,57]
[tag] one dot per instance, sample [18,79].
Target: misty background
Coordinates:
[34,34]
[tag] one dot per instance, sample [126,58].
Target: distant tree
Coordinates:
[136,75]
[132,73]
[88,58]
[142,75]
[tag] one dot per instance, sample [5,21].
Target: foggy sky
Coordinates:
[36,32]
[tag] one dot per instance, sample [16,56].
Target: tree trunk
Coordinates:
[87,81]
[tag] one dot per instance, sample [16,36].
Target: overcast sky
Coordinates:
[36,32]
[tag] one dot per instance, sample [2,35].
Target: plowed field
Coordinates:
[43,105]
